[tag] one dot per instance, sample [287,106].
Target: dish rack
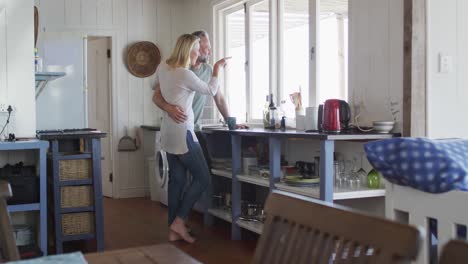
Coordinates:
[443,216]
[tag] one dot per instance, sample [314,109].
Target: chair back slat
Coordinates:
[455,252]
[299,230]
[7,239]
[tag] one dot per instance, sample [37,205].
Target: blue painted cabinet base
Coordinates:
[93,146]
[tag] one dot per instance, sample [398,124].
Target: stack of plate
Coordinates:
[299,181]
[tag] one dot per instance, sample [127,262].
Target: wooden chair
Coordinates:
[455,252]
[301,230]
[7,239]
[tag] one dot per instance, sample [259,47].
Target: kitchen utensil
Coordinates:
[217,201]
[247,162]
[127,143]
[362,174]
[311,118]
[320,117]
[300,122]
[383,126]
[299,181]
[336,116]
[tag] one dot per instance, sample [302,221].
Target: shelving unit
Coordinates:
[76,186]
[222,173]
[43,78]
[253,226]
[324,191]
[253,179]
[41,207]
[221,214]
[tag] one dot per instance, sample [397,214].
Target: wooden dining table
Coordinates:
[160,254]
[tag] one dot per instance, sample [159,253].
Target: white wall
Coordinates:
[17,65]
[126,21]
[376,60]
[447,95]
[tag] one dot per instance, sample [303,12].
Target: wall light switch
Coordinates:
[445,63]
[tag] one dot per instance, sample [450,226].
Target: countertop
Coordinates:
[302,134]
[151,128]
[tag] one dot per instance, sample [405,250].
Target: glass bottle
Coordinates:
[266,114]
[373,179]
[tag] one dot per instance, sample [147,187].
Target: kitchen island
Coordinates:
[325,191]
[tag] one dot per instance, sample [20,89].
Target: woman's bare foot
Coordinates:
[178,226]
[173,236]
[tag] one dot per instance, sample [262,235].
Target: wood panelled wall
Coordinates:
[447,93]
[127,21]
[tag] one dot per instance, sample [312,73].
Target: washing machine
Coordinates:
[162,171]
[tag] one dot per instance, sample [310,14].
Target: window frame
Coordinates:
[276,48]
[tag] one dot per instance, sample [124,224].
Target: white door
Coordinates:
[99,108]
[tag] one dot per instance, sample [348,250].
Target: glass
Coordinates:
[373,179]
[339,174]
[362,174]
[260,69]
[296,50]
[235,71]
[333,52]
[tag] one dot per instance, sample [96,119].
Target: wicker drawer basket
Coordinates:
[78,224]
[80,169]
[76,196]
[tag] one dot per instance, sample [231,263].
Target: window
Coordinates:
[295,54]
[300,47]
[259,58]
[235,78]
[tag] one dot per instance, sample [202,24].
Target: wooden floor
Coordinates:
[139,222]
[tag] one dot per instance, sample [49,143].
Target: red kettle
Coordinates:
[336,116]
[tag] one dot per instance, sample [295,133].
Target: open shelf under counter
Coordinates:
[222,173]
[254,179]
[339,194]
[256,227]
[221,213]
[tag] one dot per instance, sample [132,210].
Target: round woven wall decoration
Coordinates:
[143,58]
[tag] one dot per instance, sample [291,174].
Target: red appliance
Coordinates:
[336,116]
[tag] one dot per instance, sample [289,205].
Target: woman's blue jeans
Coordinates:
[180,204]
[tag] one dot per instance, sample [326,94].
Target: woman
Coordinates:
[178,85]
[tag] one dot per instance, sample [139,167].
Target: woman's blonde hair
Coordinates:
[180,56]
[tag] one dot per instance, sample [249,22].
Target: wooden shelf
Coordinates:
[256,227]
[222,173]
[339,194]
[256,180]
[222,214]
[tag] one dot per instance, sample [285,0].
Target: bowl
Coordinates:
[383,126]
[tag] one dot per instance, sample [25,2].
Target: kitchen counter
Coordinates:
[151,128]
[325,191]
[292,133]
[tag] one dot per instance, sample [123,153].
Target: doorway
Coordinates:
[99,107]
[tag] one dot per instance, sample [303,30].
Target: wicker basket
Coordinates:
[77,224]
[76,196]
[79,169]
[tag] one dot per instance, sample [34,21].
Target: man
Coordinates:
[204,71]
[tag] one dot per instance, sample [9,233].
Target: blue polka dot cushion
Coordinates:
[433,166]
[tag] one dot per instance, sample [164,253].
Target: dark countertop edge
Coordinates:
[301,134]
[50,137]
[151,128]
